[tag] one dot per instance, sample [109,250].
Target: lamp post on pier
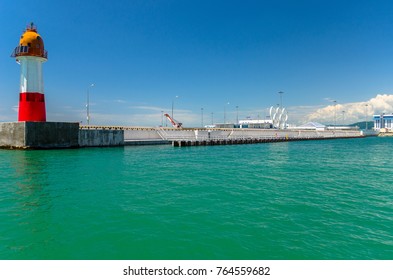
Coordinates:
[88,104]
[173,104]
[225,112]
[237,115]
[335,103]
[201,117]
[366,115]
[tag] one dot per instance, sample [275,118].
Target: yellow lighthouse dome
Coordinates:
[30,44]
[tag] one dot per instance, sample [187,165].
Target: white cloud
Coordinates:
[352,112]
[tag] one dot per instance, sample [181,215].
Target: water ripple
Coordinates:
[298,200]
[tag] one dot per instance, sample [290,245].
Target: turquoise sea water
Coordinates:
[329,199]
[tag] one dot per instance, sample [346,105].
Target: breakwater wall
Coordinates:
[125,136]
[56,135]
[214,142]
[101,137]
[52,135]
[143,136]
[39,135]
[262,134]
[253,136]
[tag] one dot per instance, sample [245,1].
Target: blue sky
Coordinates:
[141,54]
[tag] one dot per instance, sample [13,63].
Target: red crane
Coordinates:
[175,123]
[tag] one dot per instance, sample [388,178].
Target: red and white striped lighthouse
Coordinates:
[30,54]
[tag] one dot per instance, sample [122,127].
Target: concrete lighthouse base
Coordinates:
[39,135]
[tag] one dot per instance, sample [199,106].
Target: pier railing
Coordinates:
[246,134]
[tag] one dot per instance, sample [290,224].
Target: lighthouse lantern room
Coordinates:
[30,54]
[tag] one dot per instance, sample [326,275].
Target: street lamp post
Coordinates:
[173,102]
[212,118]
[162,118]
[88,104]
[366,115]
[225,113]
[201,117]
[237,114]
[335,103]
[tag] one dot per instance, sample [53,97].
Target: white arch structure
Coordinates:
[279,117]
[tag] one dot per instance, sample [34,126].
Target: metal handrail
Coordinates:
[24,50]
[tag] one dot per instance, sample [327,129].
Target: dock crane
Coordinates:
[175,123]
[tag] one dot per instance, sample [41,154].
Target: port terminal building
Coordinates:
[247,123]
[383,121]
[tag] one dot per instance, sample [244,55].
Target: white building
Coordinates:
[249,123]
[384,121]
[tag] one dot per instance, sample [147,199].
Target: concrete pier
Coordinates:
[39,135]
[58,135]
[213,142]
[101,137]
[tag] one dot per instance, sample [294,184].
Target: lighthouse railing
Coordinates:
[24,50]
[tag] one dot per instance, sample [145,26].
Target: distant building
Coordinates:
[224,125]
[384,121]
[249,123]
